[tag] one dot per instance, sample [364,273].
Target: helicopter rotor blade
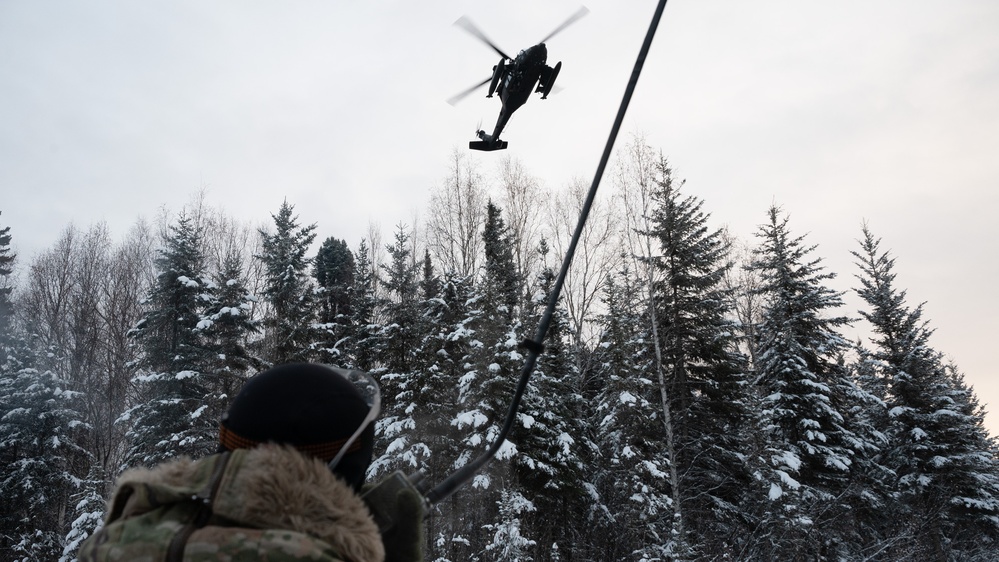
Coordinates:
[582,11]
[466,24]
[458,97]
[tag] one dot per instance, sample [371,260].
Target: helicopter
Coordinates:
[513,79]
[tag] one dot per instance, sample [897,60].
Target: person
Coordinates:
[286,483]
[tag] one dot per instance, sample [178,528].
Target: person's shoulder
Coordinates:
[270,498]
[277,487]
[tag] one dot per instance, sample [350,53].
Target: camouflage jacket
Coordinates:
[267,503]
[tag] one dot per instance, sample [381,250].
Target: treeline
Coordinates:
[696,399]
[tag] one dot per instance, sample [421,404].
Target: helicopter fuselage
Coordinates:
[518,79]
[514,79]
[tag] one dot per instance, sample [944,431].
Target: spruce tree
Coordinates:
[704,372]
[947,476]
[170,419]
[633,509]
[37,434]
[973,479]
[508,543]
[430,284]
[7,258]
[551,436]
[445,350]
[397,430]
[288,288]
[805,388]
[401,310]
[485,389]
[870,494]
[87,513]
[503,282]
[227,324]
[363,340]
[333,270]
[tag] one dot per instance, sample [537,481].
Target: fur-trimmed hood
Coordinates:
[267,487]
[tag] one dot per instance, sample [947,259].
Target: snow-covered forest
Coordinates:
[696,399]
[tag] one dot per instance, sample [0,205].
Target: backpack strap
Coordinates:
[205,497]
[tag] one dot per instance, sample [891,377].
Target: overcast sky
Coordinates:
[878,110]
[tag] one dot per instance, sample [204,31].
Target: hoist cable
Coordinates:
[535,346]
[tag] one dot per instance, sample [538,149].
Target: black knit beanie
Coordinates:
[308,406]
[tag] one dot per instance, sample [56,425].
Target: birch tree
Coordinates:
[455,218]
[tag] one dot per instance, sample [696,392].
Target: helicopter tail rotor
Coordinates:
[488,143]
